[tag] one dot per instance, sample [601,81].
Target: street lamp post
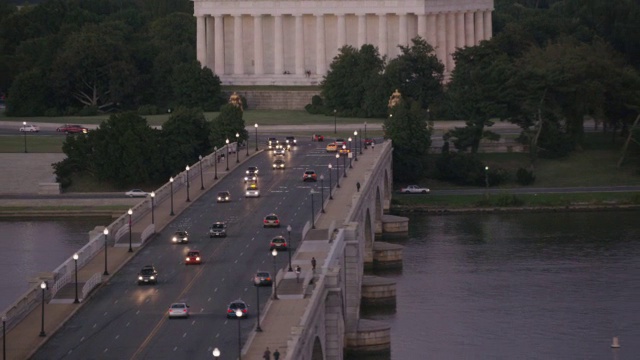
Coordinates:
[349,154]
[105,232]
[153,197]
[43,286]
[355,134]
[188,185]
[216,353]
[130,212]
[365,134]
[256,126]
[237,147]
[75,260]
[313,221]
[24,127]
[256,284]
[171,182]
[360,142]
[330,189]
[290,246]
[215,163]
[338,170]
[486,180]
[274,253]
[201,178]
[227,156]
[322,192]
[239,316]
[335,124]
[4,337]
[344,163]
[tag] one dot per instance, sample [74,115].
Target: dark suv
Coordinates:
[237,305]
[224,196]
[180,236]
[291,140]
[148,275]
[218,229]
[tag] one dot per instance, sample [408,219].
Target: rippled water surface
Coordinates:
[519,286]
[30,247]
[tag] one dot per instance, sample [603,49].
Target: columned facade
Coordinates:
[293,42]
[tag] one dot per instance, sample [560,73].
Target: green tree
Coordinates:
[30,94]
[407,126]
[417,72]
[185,136]
[226,125]
[194,86]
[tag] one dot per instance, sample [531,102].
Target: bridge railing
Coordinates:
[90,284]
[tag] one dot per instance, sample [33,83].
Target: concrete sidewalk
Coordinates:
[282,316]
[23,339]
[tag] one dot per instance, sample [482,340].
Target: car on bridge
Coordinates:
[148,275]
[309,175]
[251,174]
[279,151]
[278,164]
[193,258]
[369,142]
[224,196]
[279,243]
[414,189]
[252,190]
[262,278]
[272,142]
[237,305]
[180,236]
[271,220]
[72,129]
[332,147]
[344,150]
[339,142]
[178,310]
[291,140]
[218,229]
[136,193]
[29,128]
[317,137]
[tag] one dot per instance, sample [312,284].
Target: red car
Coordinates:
[193,258]
[317,137]
[368,142]
[72,129]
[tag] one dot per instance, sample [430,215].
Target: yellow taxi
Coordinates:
[332,147]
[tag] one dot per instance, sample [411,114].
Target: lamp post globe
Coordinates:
[216,353]
[105,232]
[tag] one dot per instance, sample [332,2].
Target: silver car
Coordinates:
[178,310]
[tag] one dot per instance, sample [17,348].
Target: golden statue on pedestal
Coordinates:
[395,98]
[235,100]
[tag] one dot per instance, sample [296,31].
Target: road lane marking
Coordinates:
[175,348]
[105,350]
[94,325]
[184,335]
[201,310]
[105,314]
[127,324]
[82,339]
[115,302]
[208,300]
[117,336]
[217,335]
[137,312]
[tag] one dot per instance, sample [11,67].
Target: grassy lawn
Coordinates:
[35,144]
[261,117]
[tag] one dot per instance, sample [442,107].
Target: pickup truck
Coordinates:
[414,189]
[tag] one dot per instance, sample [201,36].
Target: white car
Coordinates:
[252,191]
[279,151]
[29,128]
[179,310]
[414,189]
[136,193]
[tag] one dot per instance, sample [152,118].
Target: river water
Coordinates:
[519,286]
[31,247]
[473,286]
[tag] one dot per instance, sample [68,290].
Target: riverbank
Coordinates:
[421,209]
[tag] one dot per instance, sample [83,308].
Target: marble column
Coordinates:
[432,38]
[219,41]
[422,26]
[441,49]
[258,45]
[321,56]
[201,38]
[460,40]
[278,46]
[362,30]
[402,31]
[382,34]
[210,63]
[299,45]
[488,27]
[469,29]
[238,53]
[342,31]
[451,40]
[479,28]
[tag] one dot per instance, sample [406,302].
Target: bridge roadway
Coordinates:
[126,321]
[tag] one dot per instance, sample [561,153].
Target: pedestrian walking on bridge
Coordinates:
[276,355]
[358,186]
[267,354]
[313,264]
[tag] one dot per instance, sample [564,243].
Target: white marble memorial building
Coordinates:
[292,42]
